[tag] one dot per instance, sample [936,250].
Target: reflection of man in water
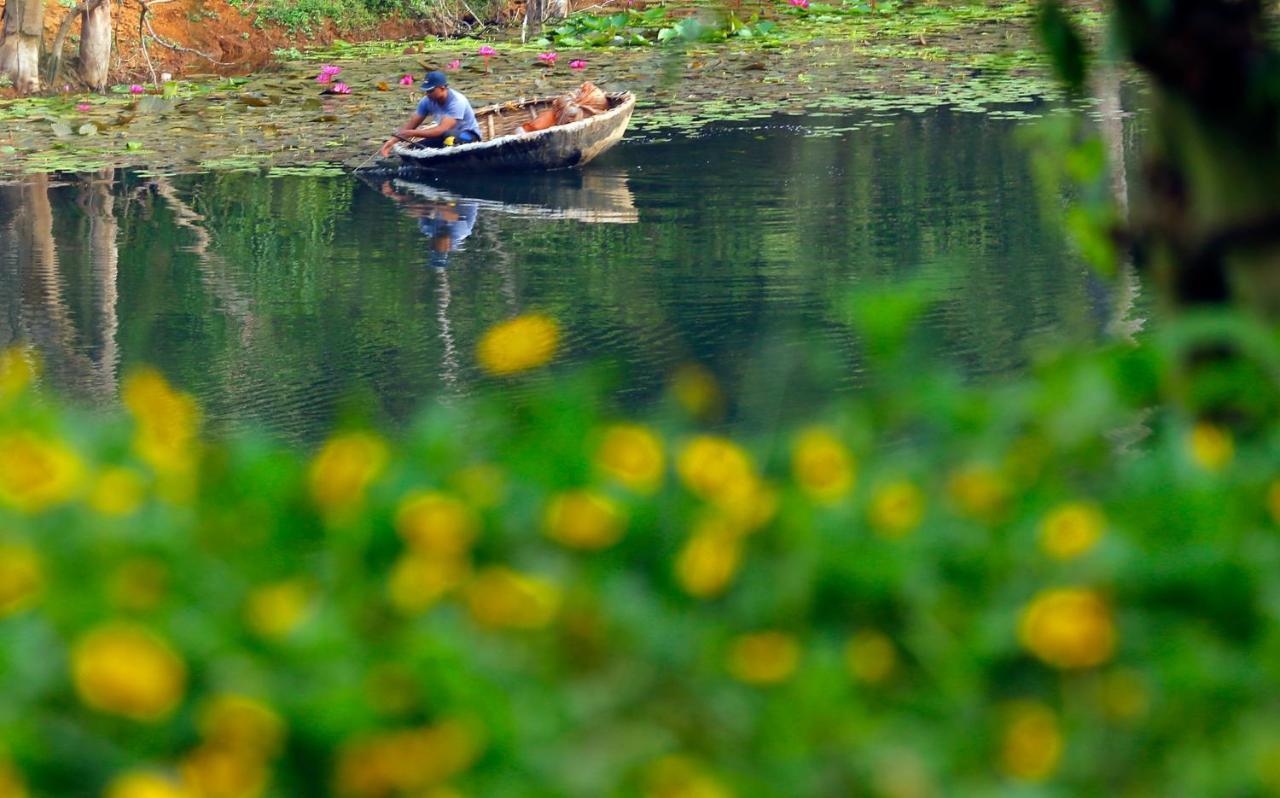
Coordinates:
[447,224]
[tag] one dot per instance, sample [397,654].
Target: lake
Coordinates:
[276,298]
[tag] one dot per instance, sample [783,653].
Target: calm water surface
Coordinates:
[275,298]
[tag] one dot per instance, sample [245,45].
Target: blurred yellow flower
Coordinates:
[763,658]
[117,491]
[821,465]
[1068,628]
[396,762]
[144,784]
[1031,743]
[870,656]
[675,776]
[1211,446]
[978,491]
[633,455]
[37,473]
[418,581]
[715,468]
[436,523]
[167,422]
[344,468]
[240,723]
[1071,529]
[710,558]
[214,771]
[750,506]
[896,509]
[11,782]
[500,598]
[584,519]
[1273,501]
[127,670]
[1123,695]
[482,484]
[21,578]
[274,611]
[697,391]
[17,370]
[139,584]
[518,344]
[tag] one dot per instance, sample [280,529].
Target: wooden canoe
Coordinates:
[556,147]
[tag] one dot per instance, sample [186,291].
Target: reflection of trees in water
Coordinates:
[77,346]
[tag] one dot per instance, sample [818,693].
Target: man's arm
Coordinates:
[399,135]
[440,129]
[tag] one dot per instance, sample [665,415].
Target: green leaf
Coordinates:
[1066,48]
[133,146]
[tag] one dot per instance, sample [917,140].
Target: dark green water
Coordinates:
[274,298]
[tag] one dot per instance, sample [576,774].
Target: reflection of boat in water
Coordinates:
[554,148]
[595,196]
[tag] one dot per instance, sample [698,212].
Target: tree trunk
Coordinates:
[534,10]
[95,44]
[104,255]
[20,44]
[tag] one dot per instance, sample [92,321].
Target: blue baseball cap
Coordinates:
[434,81]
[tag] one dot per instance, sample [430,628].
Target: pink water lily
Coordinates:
[548,58]
[136,89]
[323,77]
[340,88]
[83,107]
[577,63]
[454,64]
[330,70]
[406,80]
[486,51]
[804,4]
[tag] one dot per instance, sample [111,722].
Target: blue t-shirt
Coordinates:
[455,106]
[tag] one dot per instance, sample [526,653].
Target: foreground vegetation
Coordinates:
[935,590]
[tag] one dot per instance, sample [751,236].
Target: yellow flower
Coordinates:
[1123,695]
[239,723]
[482,484]
[167,420]
[870,656]
[396,762]
[213,771]
[697,391]
[715,468]
[584,519]
[418,581]
[117,491]
[139,584]
[1068,628]
[1031,744]
[1211,446]
[518,344]
[710,558]
[1071,529]
[821,465]
[750,506]
[763,658]
[17,370]
[501,598]
[1273,501]
[274,611]
[21,578]
[36,473]
[434,523]
[142,784]
[126,670]
[978,491]
[11,783]
[344,468]
[633,455]
[896,509]
[680,777]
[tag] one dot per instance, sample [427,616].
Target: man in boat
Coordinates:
[454,119]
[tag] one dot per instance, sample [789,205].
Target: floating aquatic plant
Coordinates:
[577,63]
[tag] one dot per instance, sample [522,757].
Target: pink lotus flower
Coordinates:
[454,64]
[323,77]
[330,70]
[340,88]
[548,58]
[83,107]
[804,4]
[136,89]
[407,80]
[486,51]
[577,63]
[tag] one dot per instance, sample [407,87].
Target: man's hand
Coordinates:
[386,148]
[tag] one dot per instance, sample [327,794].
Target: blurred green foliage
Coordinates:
[1061,584]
